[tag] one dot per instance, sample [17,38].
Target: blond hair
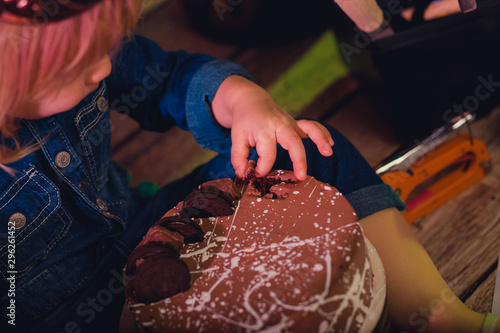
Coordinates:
[39,57]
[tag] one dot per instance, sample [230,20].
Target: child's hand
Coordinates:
[257,121]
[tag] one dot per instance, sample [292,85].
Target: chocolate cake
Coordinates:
[267,254]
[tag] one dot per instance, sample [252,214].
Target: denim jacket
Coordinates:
[68,195]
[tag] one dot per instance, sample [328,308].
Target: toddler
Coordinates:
[70,219]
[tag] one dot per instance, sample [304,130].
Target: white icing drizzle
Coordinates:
[232,222]
[315,300]
[310,195]
[356,288]
[266,273]
[212,232]
[199,251]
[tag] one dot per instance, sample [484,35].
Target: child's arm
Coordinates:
[419,300]
[257,121]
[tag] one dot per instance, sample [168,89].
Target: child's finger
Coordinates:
[239,155]
[318,134]
[327,133]
[266,149]
[293,144]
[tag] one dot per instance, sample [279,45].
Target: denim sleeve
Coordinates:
[201,91]
[369,200]
[161,89]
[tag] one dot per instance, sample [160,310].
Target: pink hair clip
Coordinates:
[41,11]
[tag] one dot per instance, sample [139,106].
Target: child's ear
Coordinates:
[99,71]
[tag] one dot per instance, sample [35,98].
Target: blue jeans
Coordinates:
[98,308]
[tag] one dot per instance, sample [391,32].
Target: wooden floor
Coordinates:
[462,236]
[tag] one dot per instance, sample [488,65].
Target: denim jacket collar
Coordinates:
[76,145]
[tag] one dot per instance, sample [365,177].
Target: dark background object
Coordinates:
[429,71]
[418,79]
[259,22]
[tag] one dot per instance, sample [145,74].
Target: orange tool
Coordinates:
[427,179]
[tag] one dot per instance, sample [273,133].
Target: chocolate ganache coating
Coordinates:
[291,257]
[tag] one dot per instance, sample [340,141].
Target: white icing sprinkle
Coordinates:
[260,268]
[323,326]
[317,267]
[234,262]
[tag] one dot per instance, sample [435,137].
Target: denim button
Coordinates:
[102,104]
[19,220]
[63,159]
[101,204]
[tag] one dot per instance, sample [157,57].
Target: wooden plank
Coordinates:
[487,129]
[463,236]
[482,298]
[156,157]
[332,98]
[169,26]
[464,246]
[359,123]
